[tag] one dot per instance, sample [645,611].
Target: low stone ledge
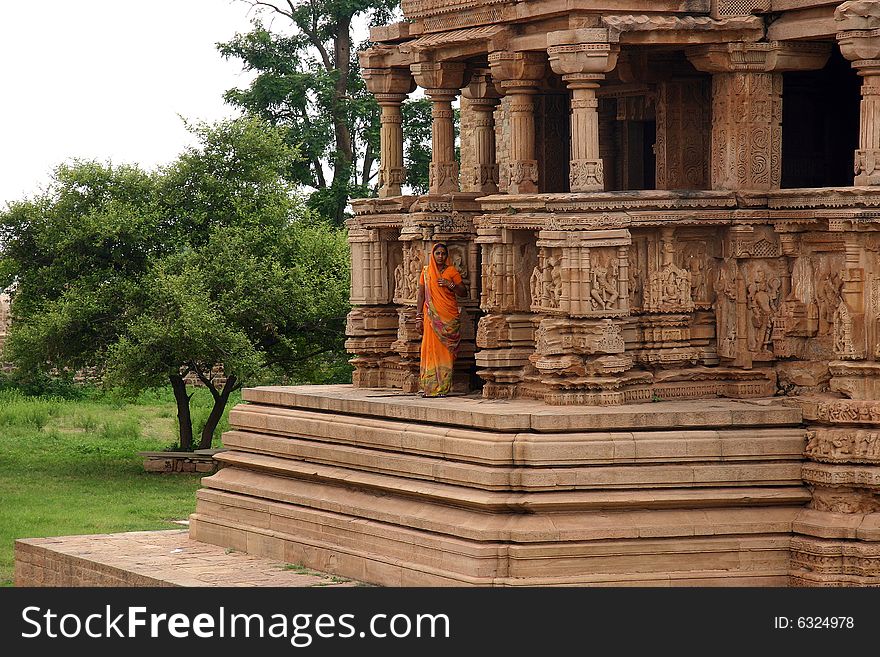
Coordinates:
[200,460]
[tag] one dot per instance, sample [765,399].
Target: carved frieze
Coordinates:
[847,411]
[847,476]
[557,337]
[843,445]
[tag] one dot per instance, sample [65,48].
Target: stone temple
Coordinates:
[668,216]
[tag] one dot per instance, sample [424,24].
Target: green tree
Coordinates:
[308,82]
[153,277]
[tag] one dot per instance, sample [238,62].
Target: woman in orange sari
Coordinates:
[439,285]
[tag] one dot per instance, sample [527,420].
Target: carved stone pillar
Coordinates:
[747,107]
[519,74]
[390,87]
[391,171]
[483,98]
[386,73]
[441,82]
[583,57]
[860,43]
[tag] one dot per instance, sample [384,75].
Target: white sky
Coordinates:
[106,80]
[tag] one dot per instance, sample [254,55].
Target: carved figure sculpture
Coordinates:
[725,309]
[493,282]
[553,282]
[398,281]
[536,282]
[829,299]
[762,301]
[604,291]
[635,278]
[696,269]
[670,289]
[843,331]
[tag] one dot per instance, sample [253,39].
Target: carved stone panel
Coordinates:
[683,134]
[406,274]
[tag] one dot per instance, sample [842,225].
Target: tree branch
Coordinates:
[209,383]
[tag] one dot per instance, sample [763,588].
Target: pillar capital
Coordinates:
[862,48]
[766,57]
[389,81]
[439,76]
[513,69]
[383,56]
[857,15]
[581,51]
[481,89]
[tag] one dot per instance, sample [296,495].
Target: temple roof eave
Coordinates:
[655,29]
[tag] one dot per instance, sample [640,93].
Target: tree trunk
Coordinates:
[344,153]
[369,158]
[220,401]
[184,419]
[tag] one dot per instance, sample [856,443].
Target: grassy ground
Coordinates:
[71,466]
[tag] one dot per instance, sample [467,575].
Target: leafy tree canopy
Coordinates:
[308,82]
[153,276]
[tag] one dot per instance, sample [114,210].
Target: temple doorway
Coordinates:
[820,125]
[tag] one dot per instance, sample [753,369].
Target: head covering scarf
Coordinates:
[441,336]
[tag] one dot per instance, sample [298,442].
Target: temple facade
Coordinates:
[667,213]
[672,199]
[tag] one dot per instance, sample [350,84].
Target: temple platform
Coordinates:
[164,558]
[393,489]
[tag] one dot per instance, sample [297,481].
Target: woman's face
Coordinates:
[440,255]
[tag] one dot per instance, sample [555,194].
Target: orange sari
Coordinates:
[441,334]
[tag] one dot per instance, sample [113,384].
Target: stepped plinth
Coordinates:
[393,489]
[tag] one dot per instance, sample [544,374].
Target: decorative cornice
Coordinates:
[658,23]
[766,57]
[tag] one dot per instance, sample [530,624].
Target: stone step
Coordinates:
[518,415]
[273,496]
[523,448]
[522,479]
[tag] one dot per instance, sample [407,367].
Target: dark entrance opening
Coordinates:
[820,125]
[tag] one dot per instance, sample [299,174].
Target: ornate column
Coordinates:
[859,39]
[484,98]
[441,82]
[583,57]
[746,149]
[519,74]
[390,86]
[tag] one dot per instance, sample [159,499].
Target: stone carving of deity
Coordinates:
[552,283]
[762,302]
[635,279]
[604,292]
[670,289]
[828,297]
[536,282]
[398,281]
[843,331]
[493,278]
[696,269]
[725,309]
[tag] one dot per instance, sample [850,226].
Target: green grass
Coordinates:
[70,466]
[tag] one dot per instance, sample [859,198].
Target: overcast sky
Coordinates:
[106,80]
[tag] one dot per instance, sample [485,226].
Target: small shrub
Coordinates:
[17,410]
[125,430]
[85,421]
